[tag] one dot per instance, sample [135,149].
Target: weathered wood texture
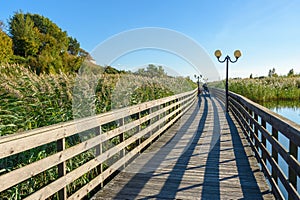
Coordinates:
[265,142]
[154,118]
[203,155]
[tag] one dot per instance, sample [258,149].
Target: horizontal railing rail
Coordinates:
[264,129]
[114,138]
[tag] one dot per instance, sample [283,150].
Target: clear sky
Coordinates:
[266,31]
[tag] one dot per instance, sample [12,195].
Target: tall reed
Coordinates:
[265,89]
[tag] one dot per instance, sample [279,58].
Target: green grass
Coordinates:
[28,101]
[266,89]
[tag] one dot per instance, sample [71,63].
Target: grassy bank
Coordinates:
[265,89]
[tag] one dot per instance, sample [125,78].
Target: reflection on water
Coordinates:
[287,109]
[281,104]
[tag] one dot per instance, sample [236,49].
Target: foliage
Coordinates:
[152,71]
[291,73]
[110,70]
[265,89]
[43,45]
[74,46]
[217,84]
[30,101]
[6,51]
[272,73]
[24,35]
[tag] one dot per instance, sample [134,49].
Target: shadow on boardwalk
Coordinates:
[205,159]
[169,189]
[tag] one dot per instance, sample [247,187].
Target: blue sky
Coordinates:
[266,31]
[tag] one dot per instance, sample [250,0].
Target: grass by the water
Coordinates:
[265,89]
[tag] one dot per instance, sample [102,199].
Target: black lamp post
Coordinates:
[198,82]
[218,54]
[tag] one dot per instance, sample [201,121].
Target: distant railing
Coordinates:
[257,121]
[145,122]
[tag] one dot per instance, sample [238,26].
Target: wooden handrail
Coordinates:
[254,119]
[162,114]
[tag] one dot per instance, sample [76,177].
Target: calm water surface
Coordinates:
[287,109]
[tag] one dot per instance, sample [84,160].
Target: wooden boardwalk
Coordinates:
[204,155]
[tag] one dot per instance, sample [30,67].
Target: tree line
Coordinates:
[272,73]
[34,40]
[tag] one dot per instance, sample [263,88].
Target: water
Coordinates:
[292,114]
[287,109]
[291,111]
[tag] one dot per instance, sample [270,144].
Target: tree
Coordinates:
[291,73]
[74,46]
[152,71]
[110,70]
[45,46]
[24,35]
[251,76]
[272,73]
[84,54]
[6,51]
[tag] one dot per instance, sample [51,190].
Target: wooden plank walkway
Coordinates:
[204,155]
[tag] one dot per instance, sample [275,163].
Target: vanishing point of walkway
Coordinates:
[204,155]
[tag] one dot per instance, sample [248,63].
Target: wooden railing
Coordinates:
[263,129]
[134,128]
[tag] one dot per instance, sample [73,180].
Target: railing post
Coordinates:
[164,114]
[256,130]
[99,151]
[151,120]
[159,115]
[61,145]
[245,121]
[121,138]
[292,174]
[263,140]
[250,124]
[139,129]
[274,154]
[162,106]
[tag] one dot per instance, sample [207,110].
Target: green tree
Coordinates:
[155,71]
[45,46]
[152,71]
[24,35]
[111,70]
[51,35]
[6,51]
[272,73]
[291,73]
[74,46]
